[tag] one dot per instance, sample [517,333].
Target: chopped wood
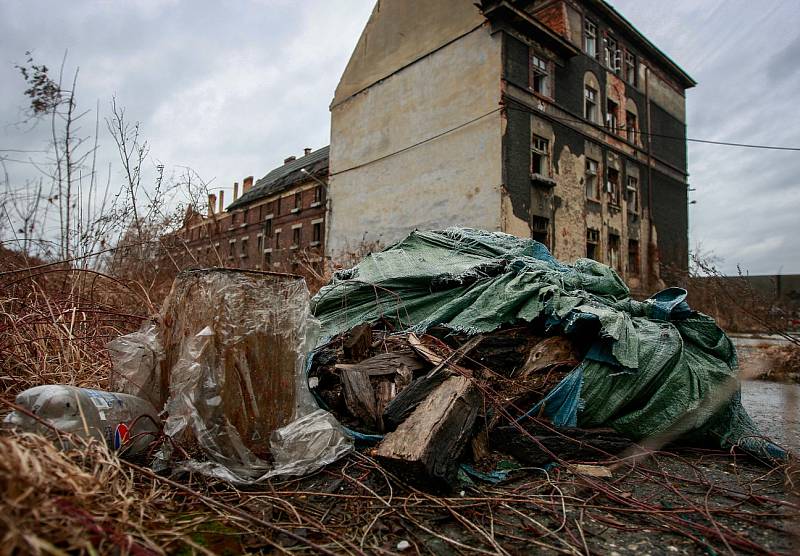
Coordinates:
[410,397]
[359,396]
[358,343]
[426,446]
[386,363]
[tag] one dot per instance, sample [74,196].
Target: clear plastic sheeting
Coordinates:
[235,347]
[308,443]
[135,361]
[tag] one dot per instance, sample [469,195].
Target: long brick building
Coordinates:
[276,224]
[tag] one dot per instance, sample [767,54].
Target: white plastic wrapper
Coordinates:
[235,347]
[135,360]
[308,443]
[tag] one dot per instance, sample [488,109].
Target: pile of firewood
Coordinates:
[441,398]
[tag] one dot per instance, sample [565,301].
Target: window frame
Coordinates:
[587,37]
[631,130]
[612,116]
[595,177]
[540,147]
[613,187]
[611,56]
[630,65]
[590,98]
[593,239]
[635,190]
[541,69]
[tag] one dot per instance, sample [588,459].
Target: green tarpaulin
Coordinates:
[654,367]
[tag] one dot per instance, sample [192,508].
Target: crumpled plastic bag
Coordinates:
[135,361]
[308,444]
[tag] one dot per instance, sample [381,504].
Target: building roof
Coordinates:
[284,176]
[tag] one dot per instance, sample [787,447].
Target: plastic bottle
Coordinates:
[121,420]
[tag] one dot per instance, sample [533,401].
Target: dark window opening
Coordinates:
[318,194]
[277,239]
[612,122]
[539,230]
[296,237]
[593,244]
[630,125]
[633,257]
[611,54]
[244,247]
[268,227]
[267,259]
[317,231]
[298,200]
[612,186]
[260,242]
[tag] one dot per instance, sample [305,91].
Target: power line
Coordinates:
[673,137]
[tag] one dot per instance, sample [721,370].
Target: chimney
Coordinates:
[289,159]
[307,151]
[247,184]
[235,190]
[221,201]
[212,202]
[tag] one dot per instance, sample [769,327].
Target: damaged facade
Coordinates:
[555,120]
[276,224]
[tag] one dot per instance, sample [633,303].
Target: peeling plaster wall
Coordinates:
[382,186]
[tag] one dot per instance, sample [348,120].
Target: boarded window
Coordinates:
[613,251]
[591,181]
[632,194]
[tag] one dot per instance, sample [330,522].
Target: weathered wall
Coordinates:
[399,32]
[382,185]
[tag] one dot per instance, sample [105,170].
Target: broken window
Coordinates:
[590,38]
[540,79]
[630,125]
[632,194]
[318,195]
[317,232]
[612,186]
[611,54]
[244,247]
[590,179]
[296,237]
[633,257]
[539,229]
[593,244]
[630,68]
[612,122]
[613,251]
[590,104]
[540,154]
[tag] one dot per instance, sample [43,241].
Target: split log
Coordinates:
[385,363]
[426,447]
[359,396]
[572,444]
[410,397]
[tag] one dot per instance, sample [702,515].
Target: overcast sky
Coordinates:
[232,88]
